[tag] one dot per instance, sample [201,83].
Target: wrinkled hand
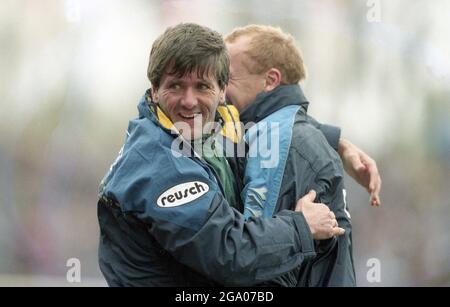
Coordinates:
[362,168]
[321,220]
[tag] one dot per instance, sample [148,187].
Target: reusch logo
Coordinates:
[182,194]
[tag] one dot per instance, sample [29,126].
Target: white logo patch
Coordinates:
[182,194]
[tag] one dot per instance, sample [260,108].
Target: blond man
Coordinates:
[265,70]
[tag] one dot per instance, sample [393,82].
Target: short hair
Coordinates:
[189,47]
[270,47]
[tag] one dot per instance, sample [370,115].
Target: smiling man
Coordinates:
[166,216]
[189,101]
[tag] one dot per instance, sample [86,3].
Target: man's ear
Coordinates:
[154,95]
[222,94]
[273,79]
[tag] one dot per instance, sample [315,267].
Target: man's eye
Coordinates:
[174,86]
[203,87]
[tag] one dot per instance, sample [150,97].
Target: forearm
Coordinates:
[233,251]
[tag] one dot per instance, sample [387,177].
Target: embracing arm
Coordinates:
[188,216]
[362,168]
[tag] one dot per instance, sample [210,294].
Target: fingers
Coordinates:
[328,228]
[362,168]
[331,223]
[374,175]
[377,193]
[332,216]
[338,231]
[334,222]
[335,231]
[375,200]
[374,186]
[357,164]
[375,183]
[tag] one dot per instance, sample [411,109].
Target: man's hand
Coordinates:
[321,220]
[362,168]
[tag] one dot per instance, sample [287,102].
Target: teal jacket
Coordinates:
[164,221]
[287,157]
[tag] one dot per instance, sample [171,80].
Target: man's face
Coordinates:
[242,86]
[190,101]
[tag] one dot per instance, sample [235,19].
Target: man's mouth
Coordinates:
[190,124]
[190,116]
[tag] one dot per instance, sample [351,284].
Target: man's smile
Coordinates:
[189,116]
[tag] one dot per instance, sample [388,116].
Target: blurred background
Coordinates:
[72,72]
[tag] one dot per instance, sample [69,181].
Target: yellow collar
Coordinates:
[231,128]
[164,120]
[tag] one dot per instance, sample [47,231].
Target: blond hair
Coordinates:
[270,47]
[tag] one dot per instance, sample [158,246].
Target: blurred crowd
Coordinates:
[72,72]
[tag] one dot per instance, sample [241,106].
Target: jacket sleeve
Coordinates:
[186,213]
[331,133]
[333,266]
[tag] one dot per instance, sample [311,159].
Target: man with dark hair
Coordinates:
[165,212]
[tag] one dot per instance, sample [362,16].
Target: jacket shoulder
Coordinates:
[311,144]
[148,168]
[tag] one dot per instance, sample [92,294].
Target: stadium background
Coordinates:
[72,72]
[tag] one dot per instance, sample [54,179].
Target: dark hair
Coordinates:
[185,48]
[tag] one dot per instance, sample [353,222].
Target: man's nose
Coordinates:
[189,99]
